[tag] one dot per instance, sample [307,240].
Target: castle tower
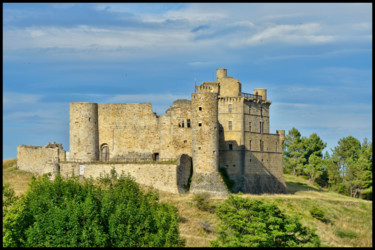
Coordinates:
[84,136]
[221,73]
[205,144]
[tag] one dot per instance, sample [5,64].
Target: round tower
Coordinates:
[221,73]
[261,92]
[84,135]
[205,137]
[205,145]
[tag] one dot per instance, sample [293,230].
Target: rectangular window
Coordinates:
[188,123]
[230,146]
[260,127]
[230,125]
[230,108]
[200,108]
[183,123]
[250,126]
[250,145]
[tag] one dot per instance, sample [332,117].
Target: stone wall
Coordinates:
[166,177]
[127,129]
[83,123]
[39,160]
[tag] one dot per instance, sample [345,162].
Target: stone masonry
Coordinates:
[220,128]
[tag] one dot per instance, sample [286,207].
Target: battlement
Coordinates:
[220,127]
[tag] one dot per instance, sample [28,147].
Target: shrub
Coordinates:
[318,213]
[73,213]
[253,223]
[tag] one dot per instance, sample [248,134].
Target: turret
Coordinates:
[261,92]
[221,73]
[84,136]
[205,145]
[205,132]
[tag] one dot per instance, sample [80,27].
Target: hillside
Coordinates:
[348,221]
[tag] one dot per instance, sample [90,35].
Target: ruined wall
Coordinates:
[180,130]
[129,130]
[166,177]
[38,160]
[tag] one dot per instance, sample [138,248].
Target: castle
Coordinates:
[218,141]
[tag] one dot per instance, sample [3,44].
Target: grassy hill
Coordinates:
[347,221]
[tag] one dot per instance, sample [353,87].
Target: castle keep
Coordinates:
[220,132]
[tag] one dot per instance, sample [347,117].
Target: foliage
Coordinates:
[293,151]
[314,168]
[73,213]
[253,223]
[347,171]
[318,213]
[352,164]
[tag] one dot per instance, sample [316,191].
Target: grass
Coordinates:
[348,220]
[17,179]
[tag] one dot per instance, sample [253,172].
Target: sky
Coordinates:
[314,59]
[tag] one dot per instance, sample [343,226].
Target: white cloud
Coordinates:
[13,99]
[296,34]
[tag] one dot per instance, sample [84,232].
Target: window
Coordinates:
[276,147]
[230,108]
[260,127]
[261,111]
[250,126]
[200,124]
[250,145]
[183,123]
[200,108]
[230,125]
[230,146]
[261,145]
[188,123]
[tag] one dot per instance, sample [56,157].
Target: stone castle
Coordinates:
[217,142]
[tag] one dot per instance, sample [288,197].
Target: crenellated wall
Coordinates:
[220,127]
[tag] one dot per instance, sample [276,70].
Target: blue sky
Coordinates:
[314,59]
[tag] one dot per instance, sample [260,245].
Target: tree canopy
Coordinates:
[73,213]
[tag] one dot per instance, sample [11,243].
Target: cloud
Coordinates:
[12,100]
[295,34]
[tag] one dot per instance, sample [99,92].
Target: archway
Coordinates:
[104,152]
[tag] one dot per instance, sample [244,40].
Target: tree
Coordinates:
[252,223]
[293,151]
[354,163]
[314,168]
[313,146]
[74,213]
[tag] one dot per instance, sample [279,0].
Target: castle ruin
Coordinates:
[220,132]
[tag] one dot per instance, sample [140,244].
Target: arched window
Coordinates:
[104,152]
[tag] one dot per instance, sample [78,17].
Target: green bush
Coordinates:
[73,213]
[318,213]
[253,223]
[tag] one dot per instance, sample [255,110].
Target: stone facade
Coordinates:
[219,128]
